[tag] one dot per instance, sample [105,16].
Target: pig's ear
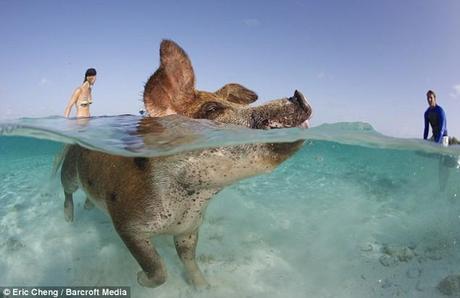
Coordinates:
[236,93]
[172,85]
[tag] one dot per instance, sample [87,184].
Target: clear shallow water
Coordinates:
[352,214]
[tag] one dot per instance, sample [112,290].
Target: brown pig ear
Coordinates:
[173,83]
[237,94]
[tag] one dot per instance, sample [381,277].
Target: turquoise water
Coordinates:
[352,214]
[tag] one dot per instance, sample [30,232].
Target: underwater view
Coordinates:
[353,213]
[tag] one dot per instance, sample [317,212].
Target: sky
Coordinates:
[355,60]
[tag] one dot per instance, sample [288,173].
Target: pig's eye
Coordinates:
[210,110]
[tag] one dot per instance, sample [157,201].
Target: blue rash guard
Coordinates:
[437,119]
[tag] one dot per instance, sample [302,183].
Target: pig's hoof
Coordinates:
[201,286]
[68,214]
[88,204]
[152,282]
[199,282]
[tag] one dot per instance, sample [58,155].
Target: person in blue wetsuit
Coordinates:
[436,117]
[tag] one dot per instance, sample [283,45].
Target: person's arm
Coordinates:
[425,132]
[443,124]
[72,101]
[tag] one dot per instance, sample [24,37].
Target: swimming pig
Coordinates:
[145,197]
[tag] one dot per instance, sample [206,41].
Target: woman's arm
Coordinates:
[72,101]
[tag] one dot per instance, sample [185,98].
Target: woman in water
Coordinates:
[82,97]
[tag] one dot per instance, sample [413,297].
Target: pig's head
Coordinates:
[171,90]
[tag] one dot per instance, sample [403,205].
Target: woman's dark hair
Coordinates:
[89,73]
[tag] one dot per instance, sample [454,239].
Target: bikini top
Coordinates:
[84,101]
